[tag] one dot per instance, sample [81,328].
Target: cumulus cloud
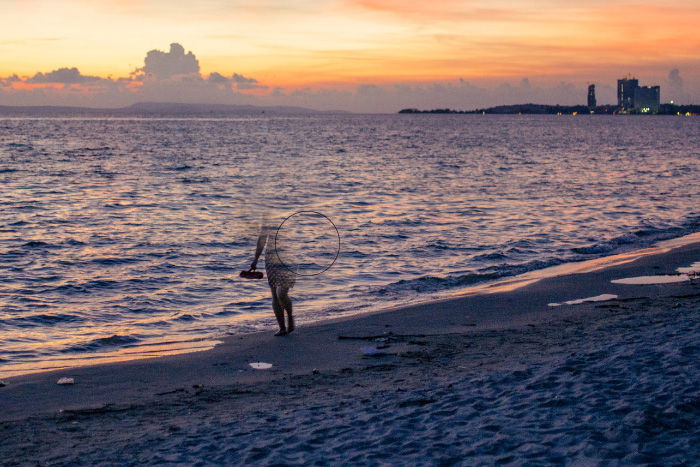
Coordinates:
[674,78]
[236,80]
[218,78]
[676,91]
[172,76]
[9,80]
[63,76]
[165,65]
[175,76]
[243,82]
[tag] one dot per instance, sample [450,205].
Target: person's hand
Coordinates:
[253,265]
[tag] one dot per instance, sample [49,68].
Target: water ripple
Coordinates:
[136,229]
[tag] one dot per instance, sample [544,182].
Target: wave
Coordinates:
[41,320]
[111,261]
[640,238]
[102,344]
[38,244]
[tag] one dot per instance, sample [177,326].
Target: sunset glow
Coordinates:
[338,44]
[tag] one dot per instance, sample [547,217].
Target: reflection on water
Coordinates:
[121,233]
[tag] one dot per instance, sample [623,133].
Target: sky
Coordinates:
[359,55]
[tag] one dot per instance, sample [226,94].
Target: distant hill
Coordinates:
[162,109]
[171,107]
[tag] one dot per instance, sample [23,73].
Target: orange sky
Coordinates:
[309,42]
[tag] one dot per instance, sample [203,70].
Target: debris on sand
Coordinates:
[63,381]
[260,365]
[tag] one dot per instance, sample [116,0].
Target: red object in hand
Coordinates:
[251,274]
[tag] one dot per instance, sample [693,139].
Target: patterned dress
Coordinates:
[278,273]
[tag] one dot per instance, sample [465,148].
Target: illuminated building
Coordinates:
[625,92]
[631,97]
[647,99]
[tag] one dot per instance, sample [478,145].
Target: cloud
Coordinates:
[237,80]
[676,88]
[455,94]
[243,82]
[165,65]
[449,10]
[64,76]
[218,78]
[9,80]
[674,78]
[175,76]
[172,76]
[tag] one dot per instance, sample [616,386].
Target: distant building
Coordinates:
[631,97]
[625,92]
[647,99]
[591,96]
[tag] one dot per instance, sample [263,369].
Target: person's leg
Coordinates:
[286,303]
[279,313]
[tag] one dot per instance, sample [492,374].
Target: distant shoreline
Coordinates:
[162,108]
[541,109]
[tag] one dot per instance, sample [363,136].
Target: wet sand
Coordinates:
[484,378]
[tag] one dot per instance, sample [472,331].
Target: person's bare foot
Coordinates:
[281,332]
[290,325]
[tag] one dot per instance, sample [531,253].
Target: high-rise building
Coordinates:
[625,92]
[647,99]
[591,96]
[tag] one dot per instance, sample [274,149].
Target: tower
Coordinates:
[625,92]
[591,96]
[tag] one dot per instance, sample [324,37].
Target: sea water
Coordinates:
[124,237]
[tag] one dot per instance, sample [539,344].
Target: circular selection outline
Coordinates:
[337,252]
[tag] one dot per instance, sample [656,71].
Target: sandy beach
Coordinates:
[479,379]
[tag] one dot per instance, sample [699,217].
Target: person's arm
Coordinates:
[262,239]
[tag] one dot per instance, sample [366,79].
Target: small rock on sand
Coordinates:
[63,381]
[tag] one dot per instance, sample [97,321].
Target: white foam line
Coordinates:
[685,274]
[598,298]
[692,269]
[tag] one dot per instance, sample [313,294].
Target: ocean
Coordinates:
[124,237]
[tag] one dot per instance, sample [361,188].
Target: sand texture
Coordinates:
[486,379]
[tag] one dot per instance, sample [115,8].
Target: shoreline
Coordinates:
[531,285]
[478,374]
[505,284]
